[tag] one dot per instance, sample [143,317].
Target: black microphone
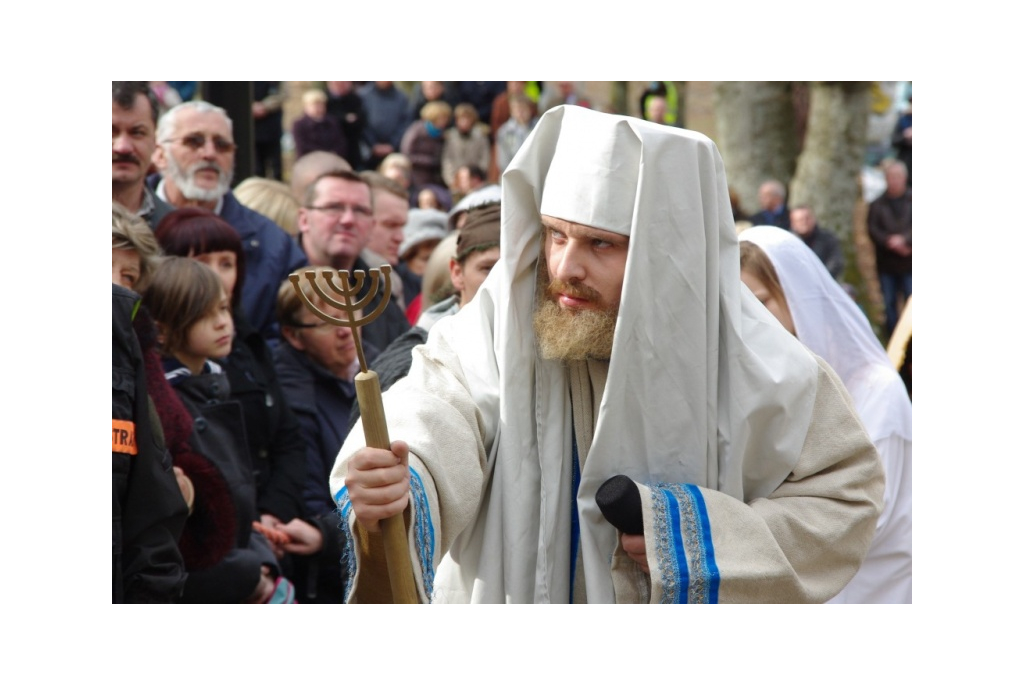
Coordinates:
[619,501]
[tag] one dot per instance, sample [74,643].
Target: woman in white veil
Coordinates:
[795,286]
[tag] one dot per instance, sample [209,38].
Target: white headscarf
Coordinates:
[832,326]
[704,386]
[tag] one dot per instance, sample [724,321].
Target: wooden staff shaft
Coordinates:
[396,543]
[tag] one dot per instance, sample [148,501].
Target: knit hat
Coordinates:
[423,225]
[480,196]
[481,231]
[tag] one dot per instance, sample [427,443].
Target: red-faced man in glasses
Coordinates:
[195,155]
[613,344]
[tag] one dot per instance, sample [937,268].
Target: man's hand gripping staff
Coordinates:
[378,479]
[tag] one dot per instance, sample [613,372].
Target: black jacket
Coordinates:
[219,433]
[322,402]
[826,245]
[148,510]
[276,450]
[888,216]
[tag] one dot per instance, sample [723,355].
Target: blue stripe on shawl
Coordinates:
[678,553]
[709,567]
[348,552]
[574,538]
[682,543]
[423,529]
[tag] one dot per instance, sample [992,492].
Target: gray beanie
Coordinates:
[423,225]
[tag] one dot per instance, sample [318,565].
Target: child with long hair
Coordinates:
[272,431]
[192,311]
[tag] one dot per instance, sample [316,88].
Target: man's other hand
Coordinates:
[635,547]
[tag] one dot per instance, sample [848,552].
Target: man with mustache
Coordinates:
[613,342]
[195,154]
[134,139]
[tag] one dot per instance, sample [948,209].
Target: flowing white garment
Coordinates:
[704,388]
[829,322]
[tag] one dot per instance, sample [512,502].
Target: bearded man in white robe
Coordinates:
[614,338]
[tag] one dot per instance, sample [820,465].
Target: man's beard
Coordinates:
[571,334]
[185,180]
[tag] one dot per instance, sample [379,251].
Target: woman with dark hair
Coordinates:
[202,235]
[272,431]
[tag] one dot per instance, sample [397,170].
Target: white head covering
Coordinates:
[831,324]
[704,386]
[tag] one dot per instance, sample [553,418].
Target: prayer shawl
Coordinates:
[829,322]
[708,404]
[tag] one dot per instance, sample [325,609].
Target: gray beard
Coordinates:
[184,180]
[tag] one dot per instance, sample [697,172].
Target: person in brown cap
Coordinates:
[476,251]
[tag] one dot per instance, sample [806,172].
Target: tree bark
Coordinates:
[756,135]
[828,170]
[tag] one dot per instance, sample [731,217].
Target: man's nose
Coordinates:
[348,215]
[208,151]
[569,265]
[122,143]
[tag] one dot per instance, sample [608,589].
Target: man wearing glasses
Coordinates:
[335,224]
[196,157]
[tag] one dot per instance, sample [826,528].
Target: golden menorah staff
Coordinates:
[371,405]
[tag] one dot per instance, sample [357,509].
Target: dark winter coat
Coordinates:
[272,434]
[148,512]
[220,435]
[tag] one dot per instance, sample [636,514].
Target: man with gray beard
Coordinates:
[613,344]
[196,156]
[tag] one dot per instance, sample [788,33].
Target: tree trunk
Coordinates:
[828,171]
[756,135]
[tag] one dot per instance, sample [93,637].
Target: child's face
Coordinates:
[211,336]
